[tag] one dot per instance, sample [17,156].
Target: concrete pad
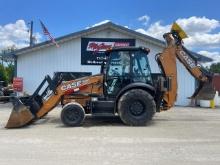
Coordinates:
[181,136]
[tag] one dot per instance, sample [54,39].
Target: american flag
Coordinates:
[47,33]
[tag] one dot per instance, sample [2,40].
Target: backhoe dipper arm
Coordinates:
[190,64]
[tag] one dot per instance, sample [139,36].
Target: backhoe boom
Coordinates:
[167,63]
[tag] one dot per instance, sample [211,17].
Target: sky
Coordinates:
[199,18]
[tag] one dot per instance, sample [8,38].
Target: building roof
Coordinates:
[108,25]
[201,58]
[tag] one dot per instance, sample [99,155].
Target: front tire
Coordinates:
[73,114]
[136,107]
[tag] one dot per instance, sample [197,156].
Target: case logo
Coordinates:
[74,85]
[188,59]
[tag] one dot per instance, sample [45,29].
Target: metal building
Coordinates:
[76,54]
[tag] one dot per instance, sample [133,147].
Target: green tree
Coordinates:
[215,68]
[10,72]
[7,65]
[3,74]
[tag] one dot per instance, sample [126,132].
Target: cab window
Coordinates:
[119,64]
[140,69]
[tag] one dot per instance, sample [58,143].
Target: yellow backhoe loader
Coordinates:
[125,87]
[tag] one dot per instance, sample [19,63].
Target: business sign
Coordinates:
[93,49]
[18,84]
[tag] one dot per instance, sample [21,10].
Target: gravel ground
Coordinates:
[181,136]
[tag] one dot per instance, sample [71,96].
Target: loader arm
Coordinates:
[36,106]
[167,63]
[66,88]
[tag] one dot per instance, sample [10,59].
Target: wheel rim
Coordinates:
[72,115]
[136,108]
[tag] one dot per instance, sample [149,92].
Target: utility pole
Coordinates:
[31,34]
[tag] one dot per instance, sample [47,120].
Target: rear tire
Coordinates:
[73,114]
[136,107]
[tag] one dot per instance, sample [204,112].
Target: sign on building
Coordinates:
[93,49]
[18,84]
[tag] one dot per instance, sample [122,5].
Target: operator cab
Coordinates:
[125,66]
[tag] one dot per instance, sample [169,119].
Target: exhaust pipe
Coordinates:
[20,115]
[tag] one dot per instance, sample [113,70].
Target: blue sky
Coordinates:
[66,16]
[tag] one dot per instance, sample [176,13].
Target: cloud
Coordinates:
[193,25]
[144,19]
[213,55]
[155,30]
[15,34]
[199,29]
[140,30]
[204,40]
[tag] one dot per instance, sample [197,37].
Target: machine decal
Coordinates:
[187,59]
[75,86]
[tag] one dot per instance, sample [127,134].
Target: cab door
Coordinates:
[118,72]
[140,70]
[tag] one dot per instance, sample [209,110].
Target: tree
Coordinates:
[3,74]
[9,49]
[7,65]
[10,72]
[215,68]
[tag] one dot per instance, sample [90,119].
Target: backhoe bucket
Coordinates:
[205,91]
[20,115]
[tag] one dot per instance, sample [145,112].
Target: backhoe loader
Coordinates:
[125,87]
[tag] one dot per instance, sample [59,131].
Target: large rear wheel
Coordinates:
[73,114]
[136,107]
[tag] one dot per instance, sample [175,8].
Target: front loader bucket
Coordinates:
[20,115]
[205,91]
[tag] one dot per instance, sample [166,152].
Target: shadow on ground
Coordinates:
[95,121]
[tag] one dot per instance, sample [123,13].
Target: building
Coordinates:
[75,55]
